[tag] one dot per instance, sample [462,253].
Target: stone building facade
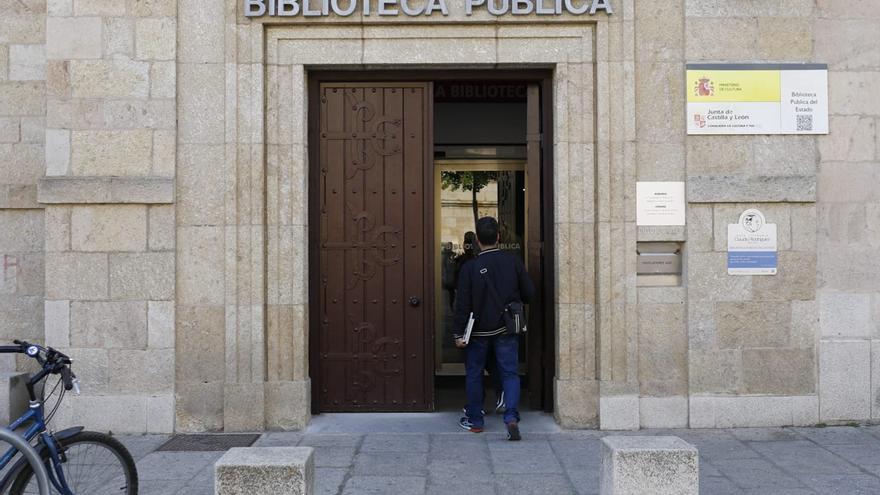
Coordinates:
[154,206]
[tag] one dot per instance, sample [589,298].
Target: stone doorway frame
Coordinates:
[267,182]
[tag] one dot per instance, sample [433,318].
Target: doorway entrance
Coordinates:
[401,170]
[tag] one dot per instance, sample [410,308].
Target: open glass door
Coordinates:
[488,161]
[465,190]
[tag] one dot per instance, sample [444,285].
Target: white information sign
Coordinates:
[757,99]
[660,203]
[751,245]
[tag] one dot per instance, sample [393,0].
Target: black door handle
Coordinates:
[414,301]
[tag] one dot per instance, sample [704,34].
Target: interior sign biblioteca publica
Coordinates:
[412,8]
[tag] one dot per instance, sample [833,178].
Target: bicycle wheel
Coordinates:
[94,464]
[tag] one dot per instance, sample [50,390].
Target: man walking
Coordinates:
[509,282]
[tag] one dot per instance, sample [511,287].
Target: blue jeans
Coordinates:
[506,349]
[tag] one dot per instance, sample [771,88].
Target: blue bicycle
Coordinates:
[79,462]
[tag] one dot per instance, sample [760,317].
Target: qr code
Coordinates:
[805,122]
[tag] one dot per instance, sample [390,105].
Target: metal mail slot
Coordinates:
[659,259]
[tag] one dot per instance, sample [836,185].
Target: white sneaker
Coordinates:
[464,411]
[500,406]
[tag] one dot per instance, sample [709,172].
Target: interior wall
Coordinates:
[479,123]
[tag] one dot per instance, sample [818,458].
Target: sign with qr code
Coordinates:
[757,99]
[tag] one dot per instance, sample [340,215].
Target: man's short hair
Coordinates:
[487,231]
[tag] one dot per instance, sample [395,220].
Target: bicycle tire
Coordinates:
[24,480]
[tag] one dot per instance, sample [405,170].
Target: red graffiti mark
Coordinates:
[9,262]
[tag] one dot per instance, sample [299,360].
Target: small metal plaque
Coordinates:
[659,263]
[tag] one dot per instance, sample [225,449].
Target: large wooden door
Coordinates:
[375,335]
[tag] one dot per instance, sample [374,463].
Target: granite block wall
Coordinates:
[660,156]
[22,151]
[848,213]
[107,188]
[751,339]
[795,348]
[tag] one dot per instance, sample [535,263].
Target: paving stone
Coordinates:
[174,465]
[765,434]
[803,457]
[202,483]
[537,484]
[860,484]
[725,448]
[698,436]
[334,456]
[389,442]
[719,486]
[330,440]
[756,473]
[328,481]
[453,452]
[466,467]
[524,458]
[391,463]
[873,429]
[578,455]
[779,491]
[870,468]
[708,469]
[384,485]
[579,435]
[440,443]
[197,490]
[861,454]
[448,487]
[586,482]
[589,448]
[158,487]
[837,435]
[279,439]
[141,445]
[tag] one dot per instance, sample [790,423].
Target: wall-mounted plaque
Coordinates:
[751,245]
[757,99]
[659,263]
[660,203]
[658,258]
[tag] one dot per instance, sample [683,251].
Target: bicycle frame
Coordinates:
[35,416]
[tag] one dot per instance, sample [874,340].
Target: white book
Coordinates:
[468,329]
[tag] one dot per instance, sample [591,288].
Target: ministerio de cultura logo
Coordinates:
[704,87]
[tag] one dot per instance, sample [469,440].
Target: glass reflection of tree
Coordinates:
[508,202]
[468,181]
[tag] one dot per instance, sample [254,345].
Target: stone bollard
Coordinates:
[265,471]
[13,396]
[648,465]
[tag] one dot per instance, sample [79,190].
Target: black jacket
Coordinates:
[507,274]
